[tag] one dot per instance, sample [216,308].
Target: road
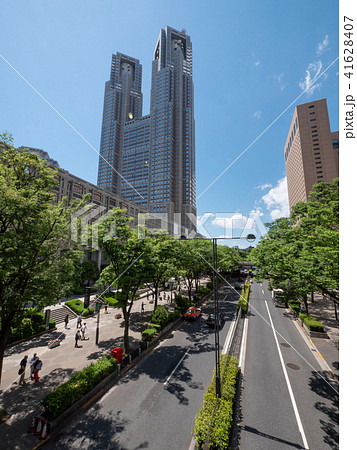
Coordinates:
[287,401]
[154,405]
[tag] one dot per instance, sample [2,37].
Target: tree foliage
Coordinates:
[35,269]
[300,254]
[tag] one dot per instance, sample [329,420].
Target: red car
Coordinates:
[192,313]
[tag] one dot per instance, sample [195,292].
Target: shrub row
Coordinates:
[64,396]
[223,415]
[244,297]
[311,323]
[32,323]
[201,292]
[159,319]
[182,303]
[78,307]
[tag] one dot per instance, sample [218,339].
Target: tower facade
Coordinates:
[311,150]
[122,102]
[150,160]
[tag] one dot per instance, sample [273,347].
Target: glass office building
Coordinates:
[150,160]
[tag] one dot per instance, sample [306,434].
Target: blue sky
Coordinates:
[251,59]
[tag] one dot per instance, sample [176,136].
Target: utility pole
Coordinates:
[216,324]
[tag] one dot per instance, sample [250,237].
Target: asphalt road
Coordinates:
[287,401]
[155,403]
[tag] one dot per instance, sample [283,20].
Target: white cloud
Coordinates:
[279,78]
[313,72]
[264,186]
[234,221]
[276,200]
[257,114]
[322,46]
[256,60]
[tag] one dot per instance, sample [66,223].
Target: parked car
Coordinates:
[211,321]
[192,313]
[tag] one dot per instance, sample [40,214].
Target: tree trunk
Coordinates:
[312,297]
[336,315]
[305,303]
[156,294]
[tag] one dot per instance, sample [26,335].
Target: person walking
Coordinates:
[76,338]
[66,321]
[22,369]
[83,330]
[106,309]
[79,321]
[32,363]
[142,307]
[36,368]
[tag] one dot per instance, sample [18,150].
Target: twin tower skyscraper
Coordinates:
[150,160]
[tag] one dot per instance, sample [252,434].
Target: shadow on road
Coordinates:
[106,427]
[328,407]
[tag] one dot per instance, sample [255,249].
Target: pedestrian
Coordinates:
[105,309]
[32,363]
[142,307]
[79,321]
[36,368]
[164,295]
[83,330]
[66,320]
[77,336]
[22,369]
[301,309]
[168,299]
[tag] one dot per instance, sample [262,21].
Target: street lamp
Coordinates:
[250,238]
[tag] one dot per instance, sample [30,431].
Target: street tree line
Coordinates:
[300,254]
[40,263]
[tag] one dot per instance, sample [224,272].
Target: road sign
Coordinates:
[98,305]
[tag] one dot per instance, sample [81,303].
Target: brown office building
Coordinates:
[311,150]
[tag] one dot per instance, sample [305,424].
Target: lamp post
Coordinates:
[249,238]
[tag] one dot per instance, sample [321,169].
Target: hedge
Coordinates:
[312,323]
[78,307]
[160,316]
[32,323]
[244,298]
[65,395]
[148,334]
[182,303]
[223,415]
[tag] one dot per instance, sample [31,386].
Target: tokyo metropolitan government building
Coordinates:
[150,160]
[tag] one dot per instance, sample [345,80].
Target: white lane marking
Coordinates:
[292,398]
[184,356]
[229,337]
[241,361]
[263,291]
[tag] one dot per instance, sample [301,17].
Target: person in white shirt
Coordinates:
[83,330]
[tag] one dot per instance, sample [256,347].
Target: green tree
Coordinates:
[300,254]
[163,250]
[129,262]
[34,232]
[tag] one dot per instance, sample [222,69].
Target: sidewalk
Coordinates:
[59,364]
[324,311]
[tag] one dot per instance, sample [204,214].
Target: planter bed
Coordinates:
[315,334]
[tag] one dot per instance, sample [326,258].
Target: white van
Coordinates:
[278,297]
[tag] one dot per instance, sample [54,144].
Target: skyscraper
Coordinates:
[154,155]
[311,150]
